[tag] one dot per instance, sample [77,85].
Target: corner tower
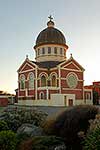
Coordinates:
[50,44]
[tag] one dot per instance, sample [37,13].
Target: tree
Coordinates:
[95,98]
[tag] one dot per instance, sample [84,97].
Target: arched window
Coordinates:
[43,80]
[54,80]
[31,80]
[22,82]
[41,95]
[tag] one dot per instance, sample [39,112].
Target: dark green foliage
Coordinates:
[3,125]
[41,143]
[15,118]
[21,138]
[48,125]
[8,140]
[95,98]
[70,122]
[92,141]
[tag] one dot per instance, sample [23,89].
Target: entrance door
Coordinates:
[70,102]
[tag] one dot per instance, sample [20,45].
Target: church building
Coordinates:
[52,79]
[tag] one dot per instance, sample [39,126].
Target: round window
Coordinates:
[72,80]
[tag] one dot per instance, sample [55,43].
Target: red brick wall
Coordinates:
[78,90]
[78,94]
[22,93]
[3,101]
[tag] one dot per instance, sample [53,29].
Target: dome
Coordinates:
[50,35]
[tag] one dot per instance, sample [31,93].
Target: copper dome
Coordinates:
[50,35]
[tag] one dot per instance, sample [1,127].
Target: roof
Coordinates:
[47,64]
[2,93]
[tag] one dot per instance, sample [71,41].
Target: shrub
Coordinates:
[15,118]
[92,140]
[70,122]
[48,125]
[41,143]
[21,137]
[94,123]
[8,140]
[3,125]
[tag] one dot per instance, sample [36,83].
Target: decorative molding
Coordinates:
[28,65]
[22,90]
[43,73]
[62,68]
[77,80]
[70,89]
[27,71]
[89,90]
[73,64]
[48,87]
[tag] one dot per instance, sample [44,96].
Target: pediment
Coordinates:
[71,65]
[26,66]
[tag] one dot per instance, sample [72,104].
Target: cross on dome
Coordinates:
[50,23]
[50,17]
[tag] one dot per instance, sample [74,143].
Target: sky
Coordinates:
[22,20]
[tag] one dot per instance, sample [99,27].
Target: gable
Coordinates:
[26,66]
[71,65]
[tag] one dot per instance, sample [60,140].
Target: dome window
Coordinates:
[43,50]
[64,52]
[49,50]
[38,51]
[60,50]
[55,50]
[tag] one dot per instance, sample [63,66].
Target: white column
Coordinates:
[59,74]
[84,93]
[26,93]
[36,84]
[91,96]
[18,88]
[47,93]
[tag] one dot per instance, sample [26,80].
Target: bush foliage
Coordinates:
[41,143]
[3,125]
[70,122]
[15,118]
[92,140]
[8,140]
